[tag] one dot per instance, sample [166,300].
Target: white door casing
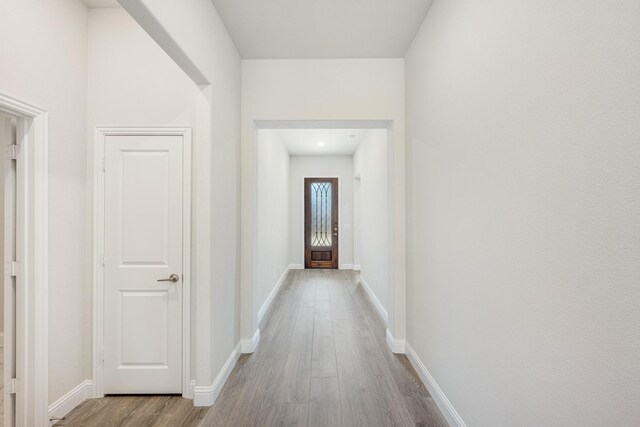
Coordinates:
[9,184]
[144,228]
[31,245]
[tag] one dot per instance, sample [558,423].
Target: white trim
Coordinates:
[98,248]
[296,266]
[357,267]
[321,124]
[376,302]
[449,412]
[192,387]
[207,395]
[346,266]
[396,346]
[250,345]
[186,264]
[32,221]
[61,407]
[272,295]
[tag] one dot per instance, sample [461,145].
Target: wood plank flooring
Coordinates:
[322,361]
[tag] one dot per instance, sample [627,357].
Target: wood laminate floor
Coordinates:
[322,361]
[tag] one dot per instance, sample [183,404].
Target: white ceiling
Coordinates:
[322,142]
[292,29]
[101,3]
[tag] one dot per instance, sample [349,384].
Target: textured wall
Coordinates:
[272,254]
[130,79]
[370,165]
[43,52]
[524,218]
[193,35]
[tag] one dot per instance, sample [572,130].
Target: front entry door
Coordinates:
[321,222]
[143,264]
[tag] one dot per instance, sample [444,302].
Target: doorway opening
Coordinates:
[323,194]
[321,226]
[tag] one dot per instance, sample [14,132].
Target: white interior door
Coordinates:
[143,244]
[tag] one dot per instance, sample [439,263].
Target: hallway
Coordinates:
[322,361]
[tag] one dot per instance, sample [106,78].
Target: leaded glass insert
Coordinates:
[321,214]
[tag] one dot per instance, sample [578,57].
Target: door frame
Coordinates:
[32,252]
[100,135]
[339,178]
[396,168]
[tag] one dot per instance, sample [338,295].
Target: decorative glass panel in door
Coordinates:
[321,223]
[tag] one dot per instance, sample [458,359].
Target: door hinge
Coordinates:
[13,268]
[14,152]
[102,260]
[102,356]
[13,386]
[104,164]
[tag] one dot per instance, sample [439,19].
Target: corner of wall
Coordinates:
[444,404]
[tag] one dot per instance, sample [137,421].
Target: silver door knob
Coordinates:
[173,278]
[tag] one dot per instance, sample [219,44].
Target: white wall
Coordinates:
[272,253]
[353,89]
[370,165]
[193,35]
[44,62]
[314,167]
[43,55]
[524,214]
[132,82]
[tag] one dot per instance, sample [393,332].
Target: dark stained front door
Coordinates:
[321,223]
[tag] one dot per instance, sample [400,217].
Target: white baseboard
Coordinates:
[272,295]
[447,409]
[250,345]
[357,267]
[61,407]
[376,302]
[395,345]
[192,388]
[296,266]
[207,395]
[346,266]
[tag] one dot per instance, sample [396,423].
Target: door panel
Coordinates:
[143,244]
[144,314]
[321,222]
[145,209]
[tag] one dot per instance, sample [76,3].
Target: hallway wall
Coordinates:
[370,165]
[321,166]
[272,254]
[524,222]
[130,79]
[43,52]
[193,35]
